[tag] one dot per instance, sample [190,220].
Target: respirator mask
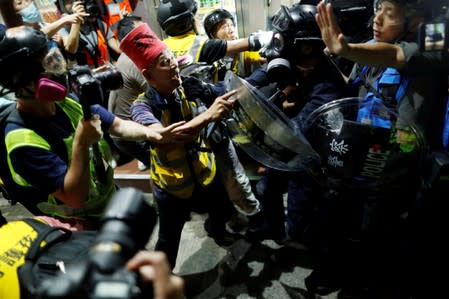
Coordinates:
[292,26]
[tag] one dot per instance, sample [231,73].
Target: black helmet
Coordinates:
[297,21]
[213,19]
[176,17]
[21,51]
[292,27]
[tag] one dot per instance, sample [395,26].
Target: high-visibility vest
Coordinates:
[177,169]
[99,194]
[114,13]
[186,44]
[102,56]
[17,237]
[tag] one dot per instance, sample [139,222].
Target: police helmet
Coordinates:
[214,19]
[176,17]
[297,21]
[21,51]
[293,26]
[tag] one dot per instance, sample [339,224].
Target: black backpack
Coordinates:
[62,248]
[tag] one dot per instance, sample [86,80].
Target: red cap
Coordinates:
[142,46]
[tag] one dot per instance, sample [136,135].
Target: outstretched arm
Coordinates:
[219,108]
[131,130]
[374,54]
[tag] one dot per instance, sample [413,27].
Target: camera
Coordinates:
[125,229]
[91,7]
[91,87]
[433,34]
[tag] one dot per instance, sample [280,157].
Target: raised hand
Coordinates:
[330,30]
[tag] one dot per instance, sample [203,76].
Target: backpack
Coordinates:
[36,252]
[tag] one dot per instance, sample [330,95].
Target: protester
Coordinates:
[182,177]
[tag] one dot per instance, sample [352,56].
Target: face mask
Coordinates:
[30,14]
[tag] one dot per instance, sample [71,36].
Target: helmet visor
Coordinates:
[54,62]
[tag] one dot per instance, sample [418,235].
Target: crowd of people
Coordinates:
[174,124]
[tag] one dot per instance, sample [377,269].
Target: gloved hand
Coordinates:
[194,88]
[259,39]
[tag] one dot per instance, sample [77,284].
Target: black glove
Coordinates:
[194,88]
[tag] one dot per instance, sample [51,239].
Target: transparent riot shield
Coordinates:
[364,146]
[264,132]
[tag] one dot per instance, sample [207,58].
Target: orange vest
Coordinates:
[103,51]
[115,10]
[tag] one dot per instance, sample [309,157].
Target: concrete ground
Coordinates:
[243,270]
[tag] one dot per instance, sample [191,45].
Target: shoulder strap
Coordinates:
[45,233]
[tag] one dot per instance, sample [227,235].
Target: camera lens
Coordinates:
[110,79]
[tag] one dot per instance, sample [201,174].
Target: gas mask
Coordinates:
[291,26]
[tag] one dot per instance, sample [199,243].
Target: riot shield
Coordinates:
[264,132]
[364,145]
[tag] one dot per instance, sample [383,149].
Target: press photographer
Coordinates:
[88,264]
[47,138]
[97,44]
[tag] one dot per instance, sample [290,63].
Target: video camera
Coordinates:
[124,230]
[90,86]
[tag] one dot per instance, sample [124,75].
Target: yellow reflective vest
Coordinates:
[99,194]
[17,237]
[186,44]
[177,169]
